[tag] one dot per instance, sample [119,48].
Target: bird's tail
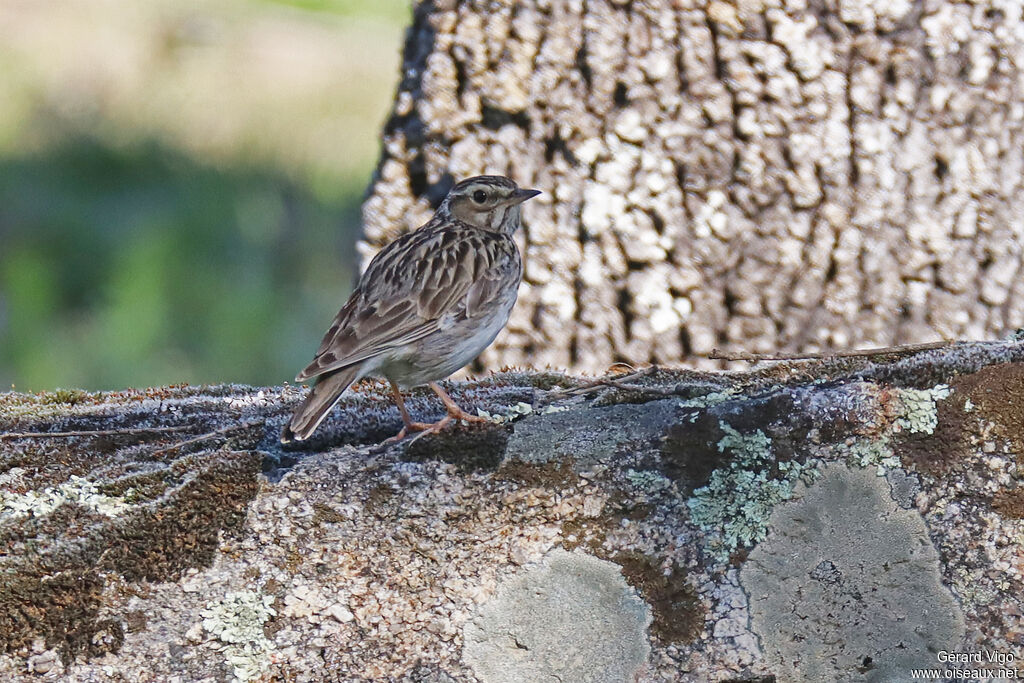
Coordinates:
[322,397]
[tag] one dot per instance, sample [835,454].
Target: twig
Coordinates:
[208,435]
[640,388]
[602,382]
[859,353]
[95,432]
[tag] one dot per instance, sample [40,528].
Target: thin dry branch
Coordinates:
[716,354]
[209,435]
[94,432]
[616,382]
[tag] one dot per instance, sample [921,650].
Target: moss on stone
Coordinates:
[17,408]
[996,394]
[678,614]
[1009,503]
[63,538]
[158,543]
[549,381]
[60,603]
[64,396]
[588,533]
[557,475]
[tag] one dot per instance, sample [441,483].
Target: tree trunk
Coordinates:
[758,175]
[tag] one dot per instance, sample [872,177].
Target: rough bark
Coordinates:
[833,520]
[752,175]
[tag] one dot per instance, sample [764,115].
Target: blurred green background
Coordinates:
[180,183]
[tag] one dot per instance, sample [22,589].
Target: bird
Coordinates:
[427,304]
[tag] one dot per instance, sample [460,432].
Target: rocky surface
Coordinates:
[845,519]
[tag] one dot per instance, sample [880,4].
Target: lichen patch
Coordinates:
[237,620]
[75,491]
[844,572]
[733,509]
[570,603]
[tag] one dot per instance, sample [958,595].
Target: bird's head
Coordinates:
[490,202]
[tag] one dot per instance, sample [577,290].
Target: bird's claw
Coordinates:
[425,428]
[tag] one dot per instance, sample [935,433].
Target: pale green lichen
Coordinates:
[871,452]
[510,414]
[744,446]
[971,589]
[514,412]
[554,409]
[918,412]
[237,620]
[76,490]
[706,401]
[647,480]
[734,507]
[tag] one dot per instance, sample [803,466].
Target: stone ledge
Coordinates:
[839,520]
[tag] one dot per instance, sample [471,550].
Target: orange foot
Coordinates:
[424,428]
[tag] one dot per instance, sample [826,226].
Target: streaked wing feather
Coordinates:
[327,362]
[487,286]
[408,289]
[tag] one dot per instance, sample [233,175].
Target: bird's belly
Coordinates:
[442,353]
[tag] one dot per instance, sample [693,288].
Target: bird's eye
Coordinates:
[479,196]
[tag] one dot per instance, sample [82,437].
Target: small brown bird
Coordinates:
[427,305]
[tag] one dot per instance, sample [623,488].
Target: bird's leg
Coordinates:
[454,411]
[410,425]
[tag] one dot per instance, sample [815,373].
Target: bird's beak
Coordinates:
[520,196]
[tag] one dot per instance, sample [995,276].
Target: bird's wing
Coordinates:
[491,282]
[425,279]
